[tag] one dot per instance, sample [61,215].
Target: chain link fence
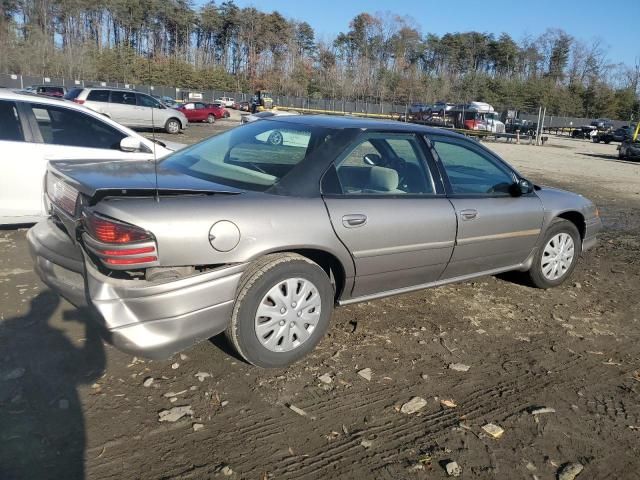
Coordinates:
[303,103]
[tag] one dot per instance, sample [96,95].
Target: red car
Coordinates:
[203,112]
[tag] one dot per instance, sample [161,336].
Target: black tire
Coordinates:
[172,126]
[211,118]
[621,156]
[558,226]
[254,285]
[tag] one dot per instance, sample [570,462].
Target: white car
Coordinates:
[225,101]
[130,108]
[35,129]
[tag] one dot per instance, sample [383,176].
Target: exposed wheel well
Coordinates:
[329,263]
[577,219]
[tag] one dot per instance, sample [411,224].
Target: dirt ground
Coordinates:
[73,407]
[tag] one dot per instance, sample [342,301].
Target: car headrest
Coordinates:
[383,179]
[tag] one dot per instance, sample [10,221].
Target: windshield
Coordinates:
[255,156]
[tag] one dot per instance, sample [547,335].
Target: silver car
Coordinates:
[130,108]
[262,240]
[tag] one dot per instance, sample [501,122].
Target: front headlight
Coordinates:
[61,194]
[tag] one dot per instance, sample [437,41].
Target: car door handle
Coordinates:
[354,220]
[468,214]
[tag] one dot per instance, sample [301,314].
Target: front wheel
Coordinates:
[557,258]
[211,118]
[282,310]
[275,138]
[172,126]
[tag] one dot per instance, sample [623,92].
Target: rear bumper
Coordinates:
[149,319]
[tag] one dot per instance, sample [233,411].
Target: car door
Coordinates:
[64,133]
[496,229]
[390,212]
[20,183]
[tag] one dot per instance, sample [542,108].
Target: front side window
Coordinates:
[471,172]
[10,126]
[98,96]
[62,126]
[126,98]
[253,157]
[384,164]
[147,101]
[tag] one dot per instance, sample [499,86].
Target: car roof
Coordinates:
[329,121]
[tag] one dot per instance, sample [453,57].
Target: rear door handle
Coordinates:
[468,214]
[354,220]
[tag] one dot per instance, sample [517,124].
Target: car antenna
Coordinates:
[153,133]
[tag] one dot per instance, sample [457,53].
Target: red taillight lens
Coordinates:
[128,251]
[109,231]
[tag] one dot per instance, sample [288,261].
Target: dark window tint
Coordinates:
[200,106]
[10,127]
[128,98]
[472,172]
[384,165]
[147,101]
[73,93]
[98,96]
[61,126]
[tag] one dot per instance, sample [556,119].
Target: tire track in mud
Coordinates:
[395,432]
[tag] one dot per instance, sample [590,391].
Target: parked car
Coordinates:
[244,106]
[168,101]
[525,127]
[130,108]
[440,108]
[417,108]
[48,90]
[260,241]
[35,129]
[226,101]
[602,124]
[266,114]
[202,112]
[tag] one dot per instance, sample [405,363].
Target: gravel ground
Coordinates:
[492,351]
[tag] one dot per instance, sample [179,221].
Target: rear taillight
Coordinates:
[61,193]
[119,244]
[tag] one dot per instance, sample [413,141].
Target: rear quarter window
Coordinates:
[10,126]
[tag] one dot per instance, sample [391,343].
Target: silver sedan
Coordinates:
[262,239]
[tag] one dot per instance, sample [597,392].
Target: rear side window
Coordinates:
[98,96]
[62,126]
[127,98]
[10,127]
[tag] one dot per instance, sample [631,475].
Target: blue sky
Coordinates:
[616,23]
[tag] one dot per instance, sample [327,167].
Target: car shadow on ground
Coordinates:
[611,158]
[43,433]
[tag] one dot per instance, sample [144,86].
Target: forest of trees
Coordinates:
[382,57]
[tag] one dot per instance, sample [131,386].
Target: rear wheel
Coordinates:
[557,258]
[282,310]
[211,118]
[172,126]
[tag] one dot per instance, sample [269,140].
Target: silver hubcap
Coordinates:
[174,127]
[275,138]
[288,314]
[557,256]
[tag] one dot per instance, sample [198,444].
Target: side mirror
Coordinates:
[130,144]
[521,187]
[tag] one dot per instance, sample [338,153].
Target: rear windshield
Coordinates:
[73,93]
[254,156]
